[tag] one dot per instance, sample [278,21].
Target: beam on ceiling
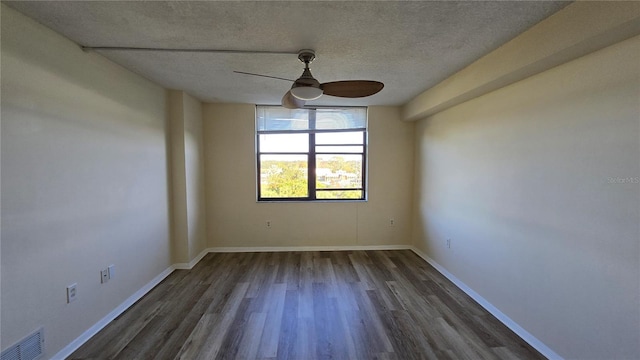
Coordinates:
[576,30]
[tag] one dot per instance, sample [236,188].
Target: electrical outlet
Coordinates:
[392,222]
[448,243]
[72,292]
[268,224]
[104,276]
[111,271]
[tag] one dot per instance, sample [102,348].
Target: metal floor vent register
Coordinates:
[30,348]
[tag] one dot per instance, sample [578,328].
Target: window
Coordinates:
[311,154]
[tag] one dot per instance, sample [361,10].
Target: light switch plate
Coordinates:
[111,269]
[72,292]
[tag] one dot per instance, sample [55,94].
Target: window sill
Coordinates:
[323,201]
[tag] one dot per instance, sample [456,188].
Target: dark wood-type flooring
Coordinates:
[307,305]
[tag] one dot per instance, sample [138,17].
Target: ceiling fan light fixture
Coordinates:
[306,92]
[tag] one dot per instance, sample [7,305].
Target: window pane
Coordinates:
[346,118]
[340,138]
[338,171]
[283,176]
[275,118]
[284,143]
[339,149]
[339,194]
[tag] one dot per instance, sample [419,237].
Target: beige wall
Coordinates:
[194,173]
[235,219]
[187,177]
[84,183]
[178,181]
[521,181]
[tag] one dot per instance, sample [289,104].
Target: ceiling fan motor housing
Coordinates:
[306,87]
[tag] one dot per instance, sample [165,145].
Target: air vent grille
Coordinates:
[30,348]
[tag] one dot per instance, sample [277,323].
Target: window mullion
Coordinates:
[363,175]
[259,168]
[311,174]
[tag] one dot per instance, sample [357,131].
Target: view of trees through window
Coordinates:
[311,154]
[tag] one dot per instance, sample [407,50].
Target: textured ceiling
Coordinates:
[410,46]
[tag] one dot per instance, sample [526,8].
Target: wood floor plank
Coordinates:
[504,353]
[464,323]
[288,336]
[374,326]
[458,346]
[182,331]
[248,348]
[359,261]
[307,343]
[305,306]
[329,337]
[292,270]
[274,307]
[206,339]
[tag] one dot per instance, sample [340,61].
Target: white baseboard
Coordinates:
[524,334]
[309,248]
[192,263]
[75,344]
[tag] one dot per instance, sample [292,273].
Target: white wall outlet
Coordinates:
[111,270]
[448,243]
[72,292]
[268,224]
[104,276]
[392,222]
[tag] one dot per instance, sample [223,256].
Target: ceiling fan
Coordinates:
[307,88]
[304,89]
